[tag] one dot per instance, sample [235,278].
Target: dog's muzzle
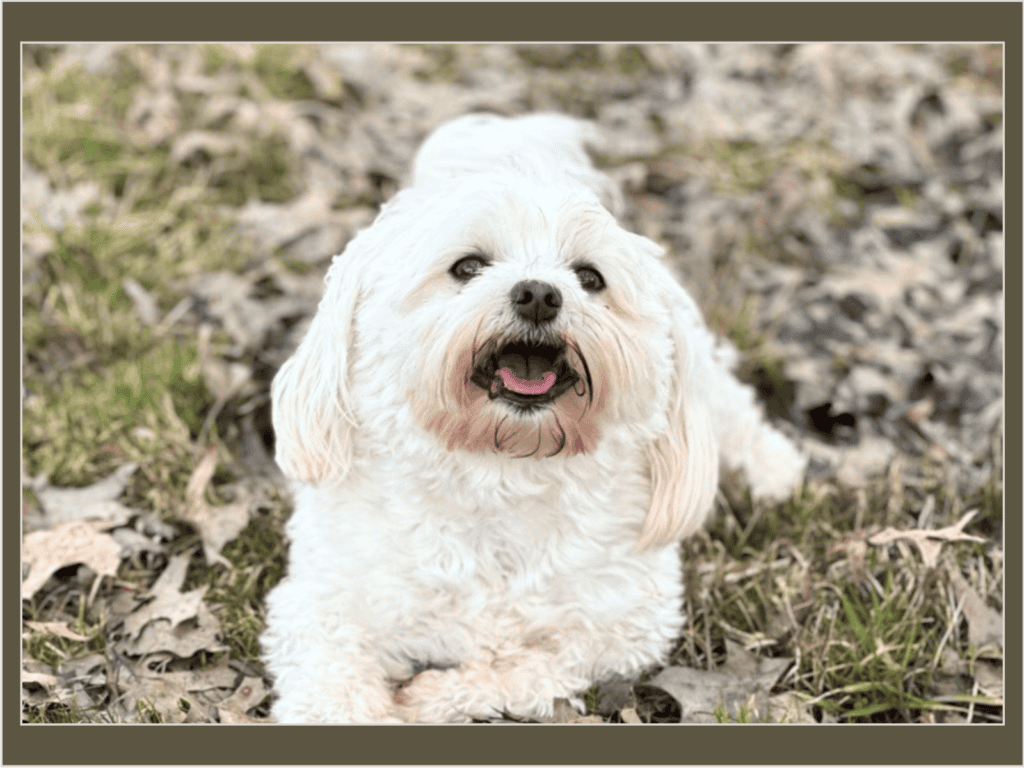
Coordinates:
[525,373]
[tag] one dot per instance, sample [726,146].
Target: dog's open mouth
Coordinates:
[525,373]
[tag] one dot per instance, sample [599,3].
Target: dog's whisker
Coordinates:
[540,440]
[497,427]
[561,440]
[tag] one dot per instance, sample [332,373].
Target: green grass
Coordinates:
[867,632]
[103,388]
[258,558]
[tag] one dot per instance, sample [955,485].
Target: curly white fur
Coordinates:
[468,538]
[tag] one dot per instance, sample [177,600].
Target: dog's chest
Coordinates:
[506,548]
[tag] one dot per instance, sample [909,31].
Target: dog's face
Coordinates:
[502,316]
[520,326]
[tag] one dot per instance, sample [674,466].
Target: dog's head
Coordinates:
[503,311]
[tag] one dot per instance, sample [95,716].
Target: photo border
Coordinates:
[513,22]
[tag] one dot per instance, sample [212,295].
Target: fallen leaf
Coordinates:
[885,281]
[39,678]
[152,525]
[174,621]
[92,502]
[133,543]
[217,525]
[742,682]
[928,543]
[169,602]
[177,697]
[984,624]
[220,676]
[82,667]
[989,677]
[950,662]
[170,701]
[868,459]
[630,716]
[58,628]
[789,707]
[184,640]
[232,717]
[250,693]
[46,552]
[565,712]
[227,298]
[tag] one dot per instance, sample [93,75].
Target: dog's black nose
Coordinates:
[536,301]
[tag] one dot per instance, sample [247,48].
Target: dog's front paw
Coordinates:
[334,701]
[441,696]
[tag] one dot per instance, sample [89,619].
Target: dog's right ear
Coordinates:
[312,412]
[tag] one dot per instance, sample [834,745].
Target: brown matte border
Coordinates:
[480,22]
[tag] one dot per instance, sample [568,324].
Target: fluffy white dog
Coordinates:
[505,415]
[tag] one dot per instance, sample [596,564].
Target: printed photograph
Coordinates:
[522,383]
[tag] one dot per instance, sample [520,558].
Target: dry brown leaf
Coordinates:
[789,707]
[217,525]
[169,603]
[46,552]
[58,628]
[174,621]
[984,624]
[88,668]
[66,685]
[133,543]
[866,460]
[989,676]
[227,297]
[40,678]
[92,502]
[169,700]
[564,712]
[183,640]
[744,680]
[164,692]
[886,282]
[250,693]
[221,676]
[233,717]
[928,543]
[630,716]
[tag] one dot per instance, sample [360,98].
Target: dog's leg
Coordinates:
[771,464]
[523,680]
[523,684]
[321,674]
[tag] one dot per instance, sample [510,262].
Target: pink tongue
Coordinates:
[527,386]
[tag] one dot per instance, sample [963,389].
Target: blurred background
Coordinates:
[837,210]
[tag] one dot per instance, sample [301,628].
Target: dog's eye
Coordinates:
[590,279]
[468,267]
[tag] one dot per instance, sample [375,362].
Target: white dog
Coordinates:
[505,415]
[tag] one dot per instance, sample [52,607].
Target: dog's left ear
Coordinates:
[684,459]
